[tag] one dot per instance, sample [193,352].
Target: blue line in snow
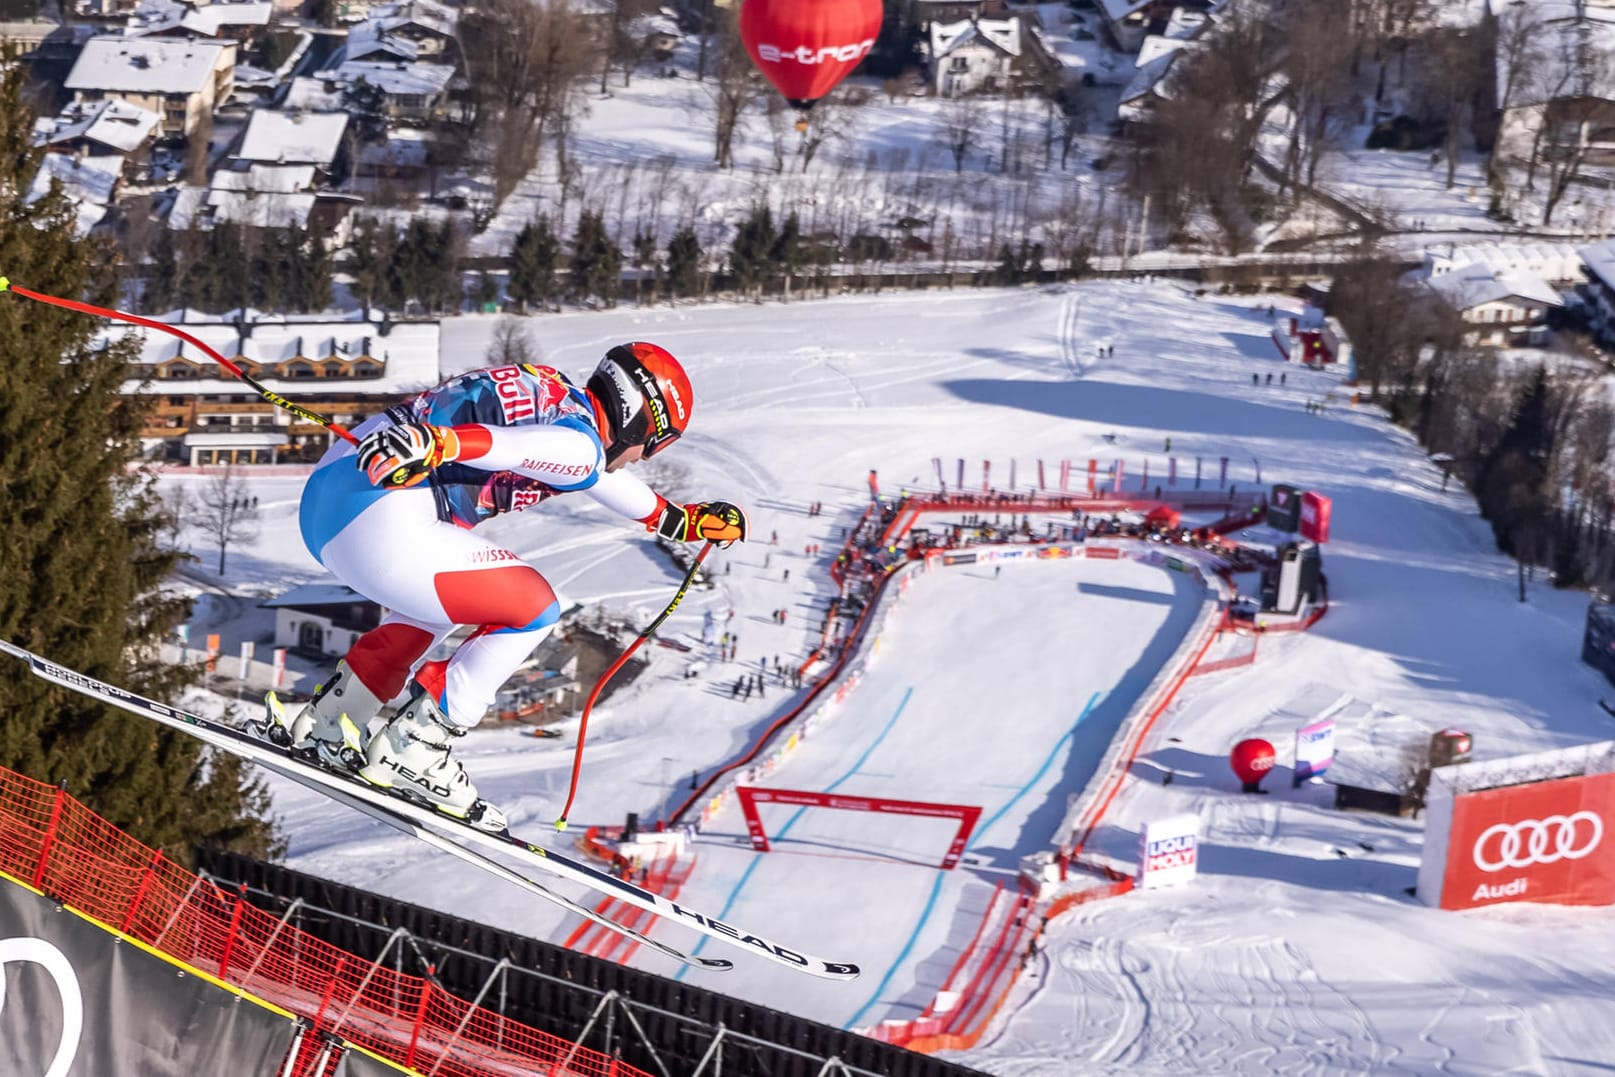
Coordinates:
[981,830]
[745,876]
[936,885]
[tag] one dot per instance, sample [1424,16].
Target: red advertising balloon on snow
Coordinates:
[805,47]
[1251,760]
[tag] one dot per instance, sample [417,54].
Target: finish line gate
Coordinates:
[751,796]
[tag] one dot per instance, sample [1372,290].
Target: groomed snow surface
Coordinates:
[1298,948]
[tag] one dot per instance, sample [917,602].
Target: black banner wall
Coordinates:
[78,1000]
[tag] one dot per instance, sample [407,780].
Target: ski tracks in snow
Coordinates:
[1193,994]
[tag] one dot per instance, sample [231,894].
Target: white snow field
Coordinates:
[1297,949]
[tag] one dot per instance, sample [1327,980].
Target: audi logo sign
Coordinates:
[1538,841]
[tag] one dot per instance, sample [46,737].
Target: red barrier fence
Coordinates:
[83,861]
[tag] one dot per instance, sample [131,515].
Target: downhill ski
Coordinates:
[411,817]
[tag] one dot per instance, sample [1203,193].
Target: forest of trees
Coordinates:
[84,580]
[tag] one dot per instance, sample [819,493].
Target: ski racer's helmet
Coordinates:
[645,396]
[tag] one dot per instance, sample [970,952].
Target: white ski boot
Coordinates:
[331,729]
[411,754]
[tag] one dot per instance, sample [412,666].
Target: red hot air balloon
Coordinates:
[805,47]
[1251,760]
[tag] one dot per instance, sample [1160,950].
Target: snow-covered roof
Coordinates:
[276,179]
[1599,258]
[406,147]
[258,209]
[1117,10]
[426,14]
[156,16]
[409,350]
[1551,261]
[90,179]
[1155,58]
[1001,34]
[293,137]
[312,95]
[370,39]
[146,65]
[396,79]
[314,595]
[1472,285]
[114,123]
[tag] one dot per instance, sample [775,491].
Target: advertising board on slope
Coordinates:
[1168,851]
[1549,841]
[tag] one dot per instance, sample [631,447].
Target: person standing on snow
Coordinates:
[393,518]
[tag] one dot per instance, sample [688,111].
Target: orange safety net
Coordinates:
[65,850]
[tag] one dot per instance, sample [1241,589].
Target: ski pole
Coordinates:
[135,319]
[611,671]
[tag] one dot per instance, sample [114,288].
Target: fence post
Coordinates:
[146,878]
[38,880]
[230,938]
[330,989]
[420,1016]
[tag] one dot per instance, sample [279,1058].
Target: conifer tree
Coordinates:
[1513,486]
[533,261]
[162,274]
[596,265]
[84,554]
[749,254]
[684,262]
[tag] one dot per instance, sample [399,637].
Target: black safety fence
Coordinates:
[650,1022]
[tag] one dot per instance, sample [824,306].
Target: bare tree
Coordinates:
[1518,51]
[1457,71]
[226,511]
[1317,74]
[177,503]
[528,57]
[963,119]
[1196,148]
[1570,121]
[512,343]
[833,119]
[737,85]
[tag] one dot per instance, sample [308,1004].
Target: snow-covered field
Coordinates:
[1298,948]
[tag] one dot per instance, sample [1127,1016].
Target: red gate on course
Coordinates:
[751,796]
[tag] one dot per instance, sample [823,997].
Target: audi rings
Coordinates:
[1538,841]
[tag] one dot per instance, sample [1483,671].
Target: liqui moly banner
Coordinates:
[936,462]
[246,657]
[280,667]
[1012,474]
[1314,750]
[986,469]
[1168,851]
[1041,485]
[1549,841]
[1065,476]
[1093,477]
[1172,471]
[1119,469]
[960,485]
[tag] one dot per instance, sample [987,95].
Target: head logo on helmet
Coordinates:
[645,395]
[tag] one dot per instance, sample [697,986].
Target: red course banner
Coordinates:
[1547,841]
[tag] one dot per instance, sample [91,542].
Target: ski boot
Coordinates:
[410,755]
[331,729]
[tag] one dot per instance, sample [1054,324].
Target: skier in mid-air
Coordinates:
[393,519]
